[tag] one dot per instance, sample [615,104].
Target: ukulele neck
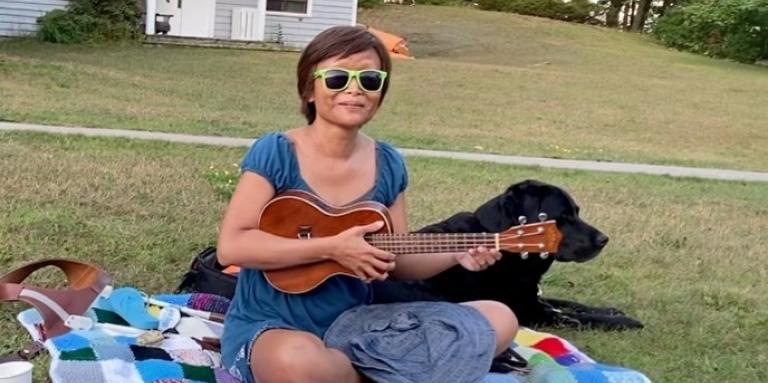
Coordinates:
[423,243]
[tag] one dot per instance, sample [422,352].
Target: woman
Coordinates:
[343,76]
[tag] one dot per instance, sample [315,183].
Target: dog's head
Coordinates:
[581,241]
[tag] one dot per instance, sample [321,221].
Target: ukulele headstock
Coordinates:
[541,237]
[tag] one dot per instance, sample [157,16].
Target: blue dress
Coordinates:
[257,306]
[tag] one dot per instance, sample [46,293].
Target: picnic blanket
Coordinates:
[552,359]
[111,353]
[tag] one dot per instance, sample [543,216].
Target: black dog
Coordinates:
[514,280]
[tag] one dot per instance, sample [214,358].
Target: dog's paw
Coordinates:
[567,321]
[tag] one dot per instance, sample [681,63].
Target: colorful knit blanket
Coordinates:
[104,355]
[552,359]
[112,353]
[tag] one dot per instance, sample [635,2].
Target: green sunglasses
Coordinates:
[338,79]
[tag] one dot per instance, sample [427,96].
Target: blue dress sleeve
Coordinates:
[270,158]
[395,173]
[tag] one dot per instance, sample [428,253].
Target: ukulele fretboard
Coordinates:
[420,243]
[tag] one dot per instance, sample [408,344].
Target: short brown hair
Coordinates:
[341,41]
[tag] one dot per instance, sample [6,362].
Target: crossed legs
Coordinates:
[290,356]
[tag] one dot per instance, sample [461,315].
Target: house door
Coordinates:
[197,17]
[191,18]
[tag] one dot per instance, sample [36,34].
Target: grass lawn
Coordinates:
[686,256]
[482,81]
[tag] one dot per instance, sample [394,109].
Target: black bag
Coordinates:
[205,275]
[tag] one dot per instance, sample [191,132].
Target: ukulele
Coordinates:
[298,214]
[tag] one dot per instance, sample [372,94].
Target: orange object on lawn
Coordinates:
[396,46]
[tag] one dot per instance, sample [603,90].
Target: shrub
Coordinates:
[576,10]
[92,20]
[59,26]
[736,29]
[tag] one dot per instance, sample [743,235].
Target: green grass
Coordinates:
[482,81]
[687,257]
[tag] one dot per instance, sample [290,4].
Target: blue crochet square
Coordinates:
[97,337]
[153,369]
[114,351]
[77,371]
[126,340]
[70,342]
[588,373]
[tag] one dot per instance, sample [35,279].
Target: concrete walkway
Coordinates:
[675,171]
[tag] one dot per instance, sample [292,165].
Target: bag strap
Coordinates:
[86,281]
[509,361]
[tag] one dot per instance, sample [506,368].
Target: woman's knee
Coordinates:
[286,357]
[502,319]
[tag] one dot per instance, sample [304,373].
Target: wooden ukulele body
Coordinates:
[297,214]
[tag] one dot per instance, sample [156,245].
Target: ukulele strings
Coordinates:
[448,238]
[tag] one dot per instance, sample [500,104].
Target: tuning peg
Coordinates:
[522,219]
[542,216]
[524,255]
[544,255]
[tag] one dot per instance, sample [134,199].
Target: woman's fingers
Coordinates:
[372,274]
[480,258]
[382,265]
[468,261]
[383,255]
[371,227]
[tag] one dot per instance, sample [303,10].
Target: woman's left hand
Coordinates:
[478,259]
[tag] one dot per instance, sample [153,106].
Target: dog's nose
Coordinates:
[602,240]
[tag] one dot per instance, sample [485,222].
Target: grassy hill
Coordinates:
[482,81]
[686,255]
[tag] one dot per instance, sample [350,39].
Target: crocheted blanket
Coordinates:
[112,353]
[552,359]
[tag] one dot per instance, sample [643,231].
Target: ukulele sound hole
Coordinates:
[305,232]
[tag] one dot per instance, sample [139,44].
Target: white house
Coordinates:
[292,22]
[19,17]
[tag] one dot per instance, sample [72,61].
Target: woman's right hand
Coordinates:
[366,261]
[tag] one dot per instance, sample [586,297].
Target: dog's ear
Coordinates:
[490,216]
[556,202]
[497,214]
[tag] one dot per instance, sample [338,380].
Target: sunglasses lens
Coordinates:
[336,79]
[371,81]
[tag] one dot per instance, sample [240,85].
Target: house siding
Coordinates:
[299,31]
[296,30]
[19,17]
[223,24]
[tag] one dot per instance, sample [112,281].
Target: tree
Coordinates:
[641,15]
[629,14]
[612,15]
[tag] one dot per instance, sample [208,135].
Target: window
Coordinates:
[288,6]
